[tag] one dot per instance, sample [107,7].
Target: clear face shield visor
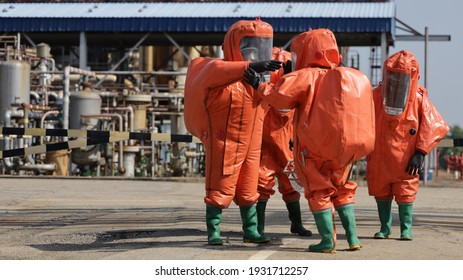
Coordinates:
[293,61]
[396,88]
[256,49]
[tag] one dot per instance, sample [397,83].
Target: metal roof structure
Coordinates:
[354,23]
[197,9]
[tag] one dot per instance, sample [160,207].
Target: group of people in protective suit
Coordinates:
[260,107]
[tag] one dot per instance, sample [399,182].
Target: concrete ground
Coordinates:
[102,219]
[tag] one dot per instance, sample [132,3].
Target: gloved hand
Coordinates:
[287,67]
[291,144]
[416,163]
[268,65]
[252,78]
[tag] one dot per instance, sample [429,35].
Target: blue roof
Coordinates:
[353,17]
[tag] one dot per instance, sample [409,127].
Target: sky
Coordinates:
[445,59]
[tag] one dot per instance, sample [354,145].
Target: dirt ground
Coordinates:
[50,218]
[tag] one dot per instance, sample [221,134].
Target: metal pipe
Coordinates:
[53,94]
[39,167]
[131,118]
[18,45]
[35,115]
[107,94]
[28,107]
[154,129]
[426,160]
[128,109]
[27,113]
[66,93]
[34,95]
[52,60]
[6,144]
[42,120]
[121,148]
[113,156]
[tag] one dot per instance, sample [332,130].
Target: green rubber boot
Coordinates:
[405,215]
[324,221]
[213,218]
[260,208]
[347,216]
[294,213]
[249,219]
[385,217]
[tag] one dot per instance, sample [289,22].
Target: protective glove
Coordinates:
[291,144]
[268,65]
[416,163]
[287,67]
[252,78]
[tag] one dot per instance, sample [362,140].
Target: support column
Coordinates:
[384,49]
[83,51]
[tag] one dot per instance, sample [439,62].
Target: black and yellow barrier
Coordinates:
[86,138]
[450,143]
[93,137]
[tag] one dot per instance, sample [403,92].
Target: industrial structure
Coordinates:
[121,66]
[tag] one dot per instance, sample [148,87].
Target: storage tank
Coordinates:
[84,102]
[14,85]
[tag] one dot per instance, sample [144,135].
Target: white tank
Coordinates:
[84,103]
[14,85]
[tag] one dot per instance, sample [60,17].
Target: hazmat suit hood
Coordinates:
[280,54]
[241,29]
[400,81]
[315,48]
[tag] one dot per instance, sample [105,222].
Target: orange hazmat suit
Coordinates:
[275,153]
[315,53]
[227,116]
[333,127]
[417,126]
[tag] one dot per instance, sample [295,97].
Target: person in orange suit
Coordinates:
[408,127]
[275,155]
[224,113]
[315,56]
